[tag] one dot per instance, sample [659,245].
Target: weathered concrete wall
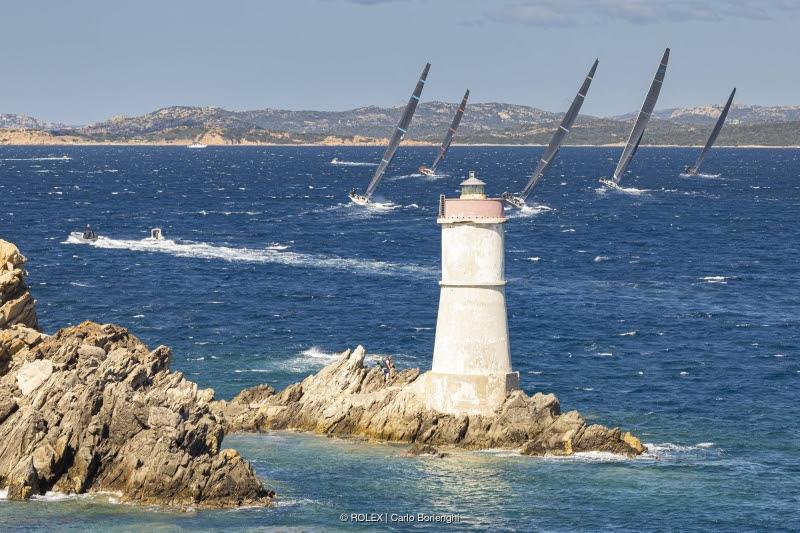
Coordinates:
[471,371]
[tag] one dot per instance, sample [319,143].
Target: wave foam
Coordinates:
[335,161]
[716,279]
[272,254]
[529,211]
[59,158]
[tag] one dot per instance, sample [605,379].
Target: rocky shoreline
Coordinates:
[92,409]
[348,398]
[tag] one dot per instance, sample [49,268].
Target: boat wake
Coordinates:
[272,254]
[335,161]
[701,175]
[54,158]
[417,175]
[631,191]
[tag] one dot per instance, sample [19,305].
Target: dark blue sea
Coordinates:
[671,310]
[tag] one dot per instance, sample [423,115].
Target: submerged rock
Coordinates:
[423,450]
[347,398]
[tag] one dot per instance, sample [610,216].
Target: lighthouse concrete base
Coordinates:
[465,394]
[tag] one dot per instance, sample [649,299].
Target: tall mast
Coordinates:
[560,134]
[641,120]
[451,132]
[714,134]
[399,132]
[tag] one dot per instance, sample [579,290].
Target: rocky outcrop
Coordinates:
[92,409]
[16,304]
[347,398]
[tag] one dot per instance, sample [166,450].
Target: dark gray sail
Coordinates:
[560,134]
[714,134]
[641,120]
[405,121]
[448,139]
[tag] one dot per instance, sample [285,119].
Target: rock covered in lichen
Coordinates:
[347,398]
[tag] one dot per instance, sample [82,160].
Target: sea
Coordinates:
[670,309]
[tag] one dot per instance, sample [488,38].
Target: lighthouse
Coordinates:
[471,371]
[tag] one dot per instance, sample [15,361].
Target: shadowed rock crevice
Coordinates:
[347,398]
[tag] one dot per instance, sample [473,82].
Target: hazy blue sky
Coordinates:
[85,61]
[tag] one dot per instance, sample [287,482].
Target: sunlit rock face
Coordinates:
[16,304]
[92,409]
[348,398]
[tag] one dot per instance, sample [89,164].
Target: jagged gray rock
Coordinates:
[93,409]
[16,304]
[347,398]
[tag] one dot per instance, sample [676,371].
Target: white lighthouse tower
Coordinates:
[471,371]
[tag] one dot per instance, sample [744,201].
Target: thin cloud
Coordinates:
[562,13]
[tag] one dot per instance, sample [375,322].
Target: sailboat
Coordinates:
[399,133]
[518,200]
[448,138]
[694,170]
[639,126]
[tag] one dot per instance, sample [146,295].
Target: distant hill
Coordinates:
[14,121]
[739,114]
[483,123]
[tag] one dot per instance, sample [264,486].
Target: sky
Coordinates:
[81,62]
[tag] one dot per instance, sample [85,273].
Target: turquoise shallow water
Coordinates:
[674,313]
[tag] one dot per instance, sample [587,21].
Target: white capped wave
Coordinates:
[336,161]
[715,279]
[700,175]
[628,333]
[672,450]
[312,358]
[600,258]
[535,259]
[633,191]
[201,250]
[529,211]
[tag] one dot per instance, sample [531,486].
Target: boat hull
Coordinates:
[425,171]
[358,199]
[611,184]
[513,201]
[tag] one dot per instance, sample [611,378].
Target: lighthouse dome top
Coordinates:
[473,188]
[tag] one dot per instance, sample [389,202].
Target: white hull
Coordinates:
[611,184]
[358,199]
[514,201]
[196,145]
